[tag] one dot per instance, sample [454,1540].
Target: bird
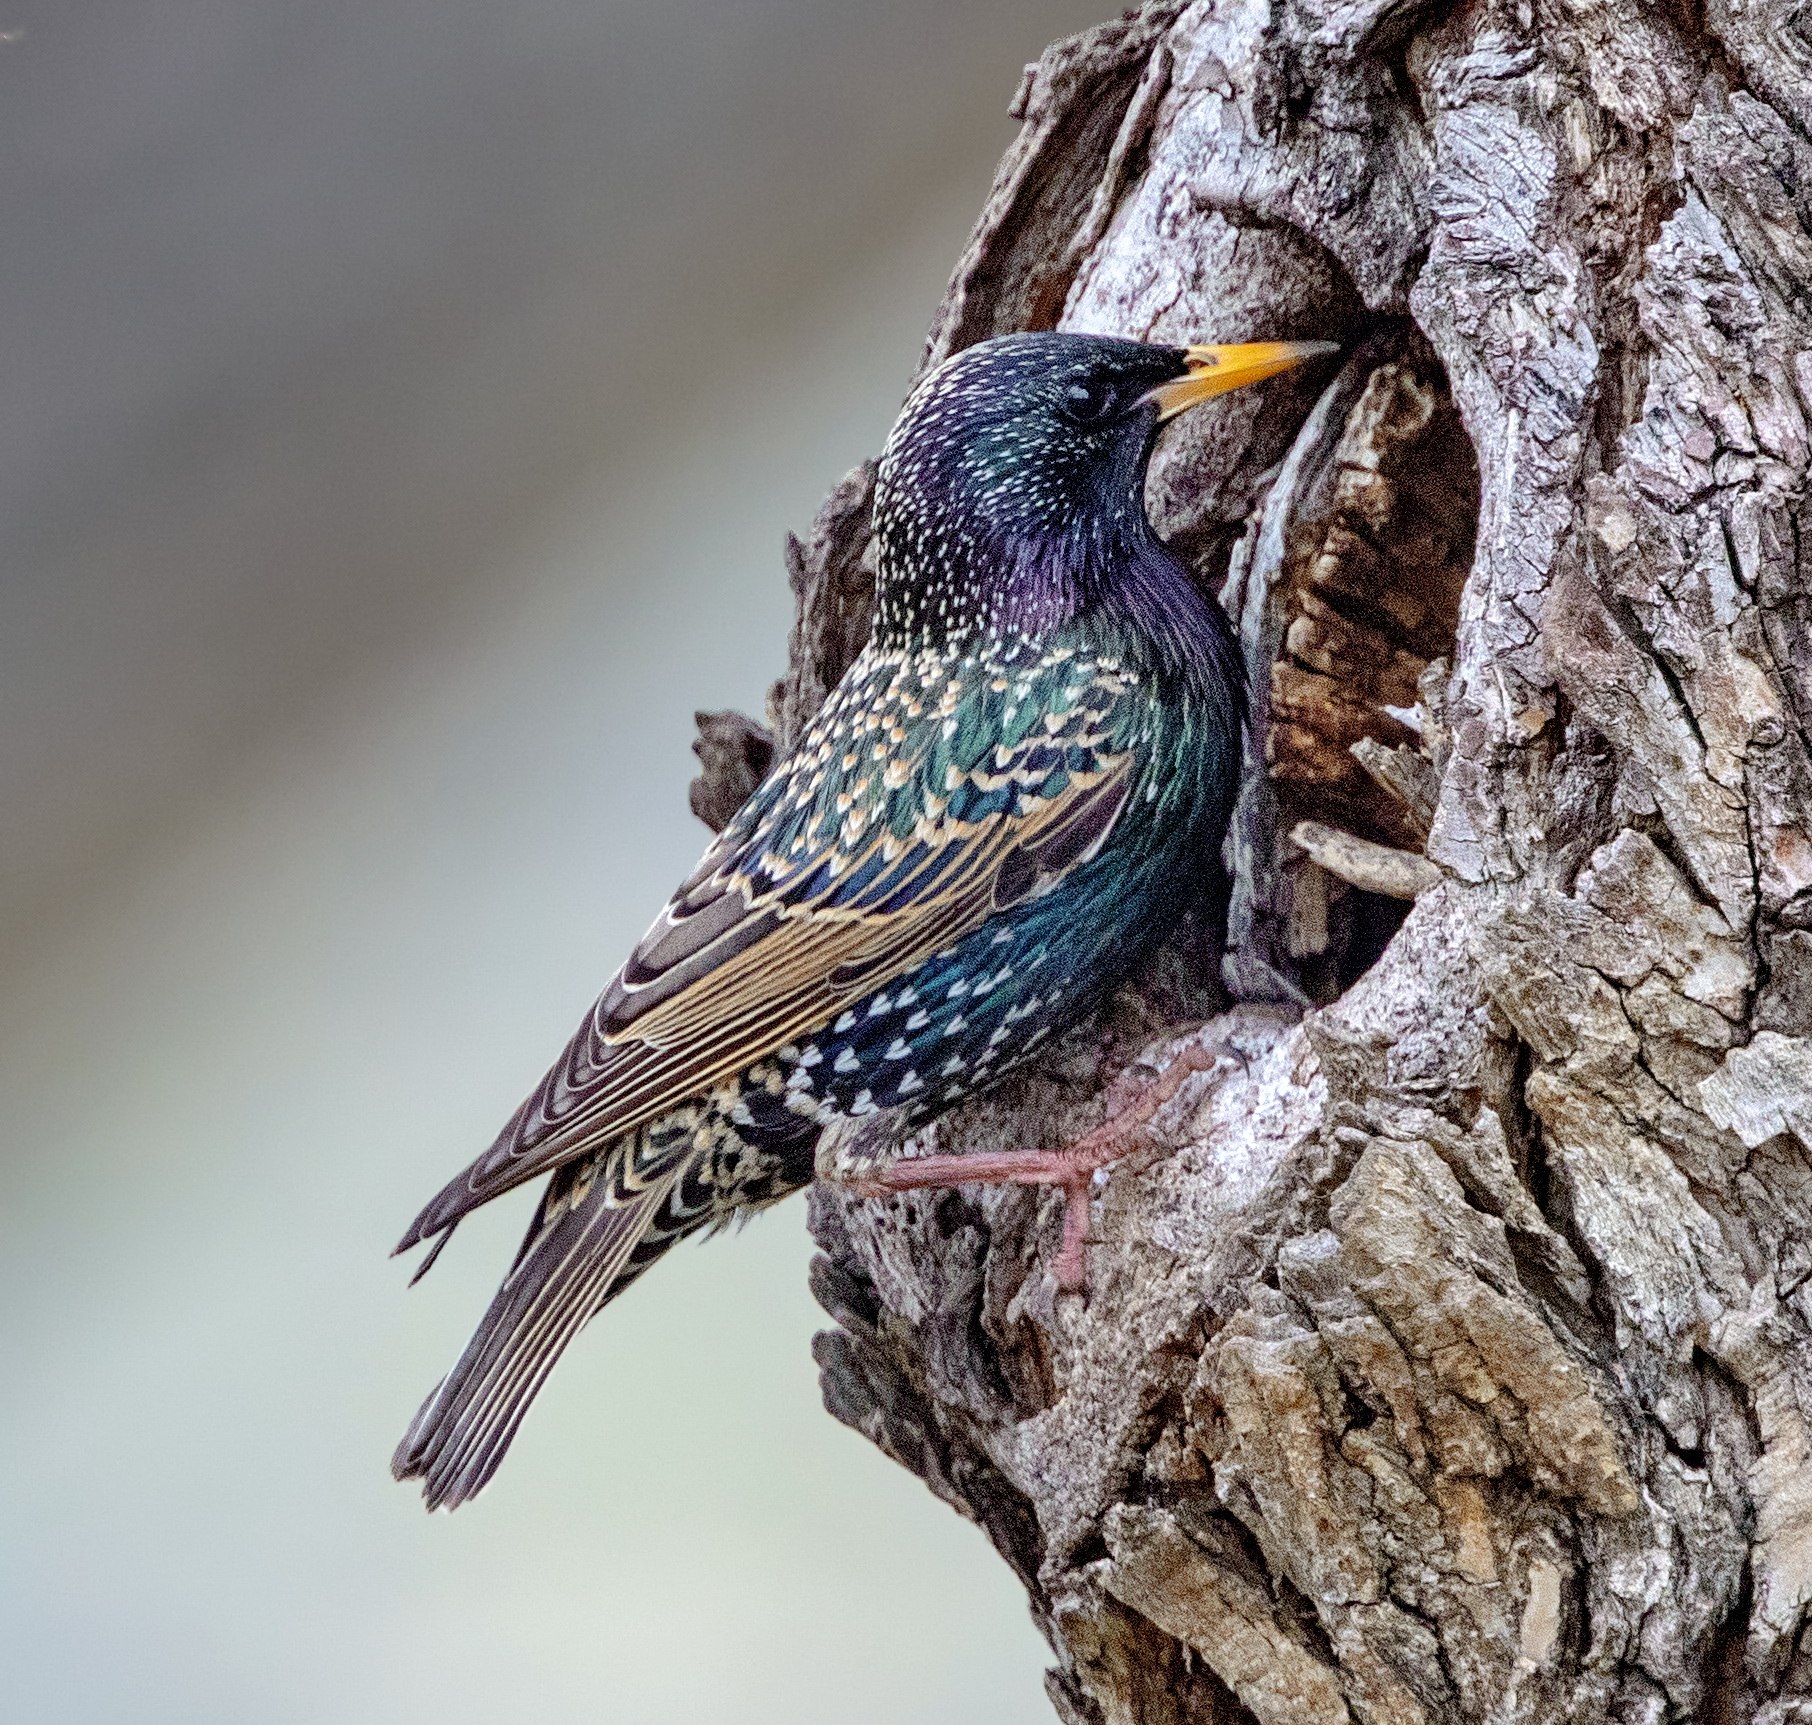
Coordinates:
[1013,791]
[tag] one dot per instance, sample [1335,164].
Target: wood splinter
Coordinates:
[1404,774]
[1361,863]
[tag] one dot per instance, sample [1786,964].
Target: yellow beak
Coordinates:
[1215,370]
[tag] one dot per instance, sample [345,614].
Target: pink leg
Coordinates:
[1073,1167]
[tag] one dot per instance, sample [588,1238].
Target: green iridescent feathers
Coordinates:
[927,795]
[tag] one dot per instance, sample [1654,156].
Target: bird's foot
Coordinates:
[1132,1103]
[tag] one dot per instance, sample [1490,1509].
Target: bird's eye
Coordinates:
[1088,400]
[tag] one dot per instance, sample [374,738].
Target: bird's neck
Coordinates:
[1165,619]
[952,588]
[944,575]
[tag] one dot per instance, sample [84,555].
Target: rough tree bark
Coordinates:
[1446,1356]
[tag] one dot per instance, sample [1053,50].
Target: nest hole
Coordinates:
[1348,603]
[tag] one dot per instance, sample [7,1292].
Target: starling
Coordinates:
[1013,791]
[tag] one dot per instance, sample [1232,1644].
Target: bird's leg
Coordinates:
[1073,1167]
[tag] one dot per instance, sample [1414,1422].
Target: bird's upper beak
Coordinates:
[1215,370]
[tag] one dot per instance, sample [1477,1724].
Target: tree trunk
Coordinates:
[1445,1356]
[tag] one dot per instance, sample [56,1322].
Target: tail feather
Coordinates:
[589,1240]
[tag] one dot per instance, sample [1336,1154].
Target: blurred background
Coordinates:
[403,404]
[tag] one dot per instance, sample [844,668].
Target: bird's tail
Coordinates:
[592,1236]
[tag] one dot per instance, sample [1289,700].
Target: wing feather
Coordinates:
[786,923]
[580,1251]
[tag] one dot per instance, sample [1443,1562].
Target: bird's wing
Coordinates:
[917,806]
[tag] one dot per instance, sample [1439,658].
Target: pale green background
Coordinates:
[404,401]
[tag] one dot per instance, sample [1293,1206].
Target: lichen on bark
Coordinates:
[1446,1355]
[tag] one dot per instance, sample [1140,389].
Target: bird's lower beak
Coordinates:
[1215,370]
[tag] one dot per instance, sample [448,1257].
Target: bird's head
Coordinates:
[1012,484]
